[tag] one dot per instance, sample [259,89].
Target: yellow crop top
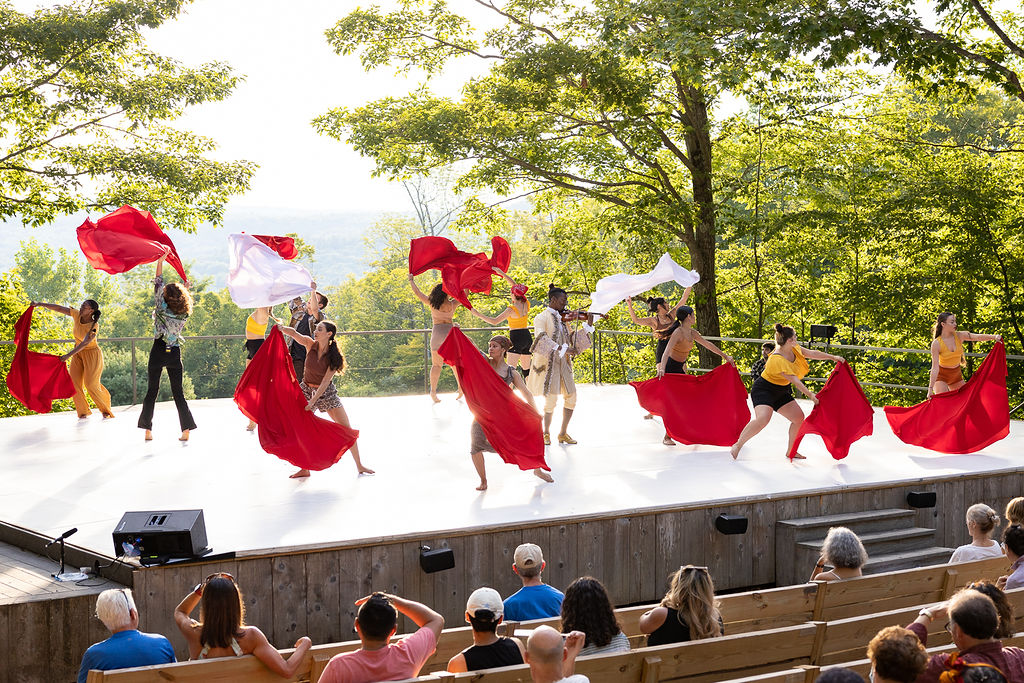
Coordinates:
[954,358]
[253,327]
[776,365]
[516,321]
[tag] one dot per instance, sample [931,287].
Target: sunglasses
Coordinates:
[689,567]
[219,575]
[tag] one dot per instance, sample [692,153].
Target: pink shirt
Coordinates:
[403,659]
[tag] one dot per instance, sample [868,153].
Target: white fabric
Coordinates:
[614,288]
[971,552]
[258,276]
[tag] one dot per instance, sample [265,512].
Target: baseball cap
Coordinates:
[528,556]
[485,599]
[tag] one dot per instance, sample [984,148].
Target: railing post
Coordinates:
[597,354]
[135,395]
[427,361]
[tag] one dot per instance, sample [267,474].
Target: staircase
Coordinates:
[891,537]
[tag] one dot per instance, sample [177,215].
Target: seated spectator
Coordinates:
[688,611]
[839,675]
[221,631]
[378,659]
[550,659]
[758,367]
[1003,606]
[536,599]
[587,608]
[484,612]
[844,552]
[1013,544]
[896,655]
[127,646]
[981,522]
[1015,511]
[973,621]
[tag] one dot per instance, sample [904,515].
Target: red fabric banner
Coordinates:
[124,239]
[268,394]
[512,427]
[36,379]
[842,416]
[698,409]
[284,246]
[962,421]
[460,270]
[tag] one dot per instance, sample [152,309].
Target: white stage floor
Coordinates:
[61,472]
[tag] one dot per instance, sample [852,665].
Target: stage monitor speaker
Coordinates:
[436,560]
[921,499]
[824,331]
[163,534]
[731,524]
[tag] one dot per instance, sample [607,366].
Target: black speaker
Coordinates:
[436,560]
[731,524]
[161,534]
[921,499]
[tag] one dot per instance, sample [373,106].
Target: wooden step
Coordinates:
[907,560]
[857,522]
[880,542]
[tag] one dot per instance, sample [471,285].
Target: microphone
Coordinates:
[61,537]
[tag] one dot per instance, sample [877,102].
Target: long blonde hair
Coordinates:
[692,594]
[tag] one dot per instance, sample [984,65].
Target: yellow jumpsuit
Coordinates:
[85,369]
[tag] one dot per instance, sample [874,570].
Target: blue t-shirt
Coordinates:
[533,602]
[126,649]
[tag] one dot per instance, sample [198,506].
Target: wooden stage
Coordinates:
[623,507]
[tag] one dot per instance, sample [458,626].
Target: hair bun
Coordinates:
[778,327]
[551,286]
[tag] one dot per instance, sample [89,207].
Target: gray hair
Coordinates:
[985,517]
[113,608]
[843,549]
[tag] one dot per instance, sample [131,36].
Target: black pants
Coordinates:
[300,367]
[163,356]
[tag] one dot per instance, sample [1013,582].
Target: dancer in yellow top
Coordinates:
[86,366]
[518,316]
[255,334]
[948,354]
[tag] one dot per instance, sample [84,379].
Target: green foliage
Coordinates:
[85,112]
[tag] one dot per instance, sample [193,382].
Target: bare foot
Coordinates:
[108,416]
[482,486]
[83,417]
[668,441]
[734,451]
[797,456]
[251,427]
[363,470]
[299,475]
[458,396]
[436,399]
[544,475]
[184,436]
[149,435]
[649,416]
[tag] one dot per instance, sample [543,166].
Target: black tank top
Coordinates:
[674,632]
[502,653]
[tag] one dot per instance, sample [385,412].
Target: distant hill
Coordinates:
[337,237]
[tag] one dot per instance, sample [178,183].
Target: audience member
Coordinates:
[973,621]
[839,675]
[1003,606]
[896,655]
[758,367]
[536,599]
[587,608]
[688,611]
[1015,511]
[844,552]
[1013,544]
[221,631]
[484,613]
[378,659]
[981,522]
[127,646]
[550,659]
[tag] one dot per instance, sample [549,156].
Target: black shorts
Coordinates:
[521,339]
[660,350]
[765,393]
[252,346]
[674,367]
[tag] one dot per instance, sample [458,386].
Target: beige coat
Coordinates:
[548,371]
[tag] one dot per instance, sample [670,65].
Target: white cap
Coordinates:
[528,556]
[485,599]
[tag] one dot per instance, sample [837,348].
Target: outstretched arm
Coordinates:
[682,301]
[160,261]
[307,342]
[416,290]
[795,381]
[502,273]
[81,345]
[496,320]
[650,322]
[56,308]
[934,373]
[711,347]
[814,354]
[973,336]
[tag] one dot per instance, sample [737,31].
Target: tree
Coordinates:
[85,106]
[61,277]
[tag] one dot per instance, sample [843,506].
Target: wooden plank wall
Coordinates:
[312,592]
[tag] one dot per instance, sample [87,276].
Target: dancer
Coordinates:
[948,354]
[255,333]
[173,306]
[680,343]
[442,314]
[323,361]
[304,317]
[771,391]
[86,358]
[553,349]
[662,323]
[518,315]
[497,347]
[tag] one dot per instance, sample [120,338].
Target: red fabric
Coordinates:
[268,394]
[842,416]
[284,246]
[36,379]
[124,239]
[962,421]
[512,427]
[706,409]
[460,270]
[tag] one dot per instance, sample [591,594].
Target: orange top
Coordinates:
[954,358]
[516,321]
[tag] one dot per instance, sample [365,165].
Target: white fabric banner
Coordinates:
[614,288]
[258,276]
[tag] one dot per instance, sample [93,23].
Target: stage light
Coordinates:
[436,560]
[825,332]
[731,524]
[158,536]
[921,499]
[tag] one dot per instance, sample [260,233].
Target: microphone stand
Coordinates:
[61,575]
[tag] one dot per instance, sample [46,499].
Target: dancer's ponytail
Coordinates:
[783,333]
[335,360]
